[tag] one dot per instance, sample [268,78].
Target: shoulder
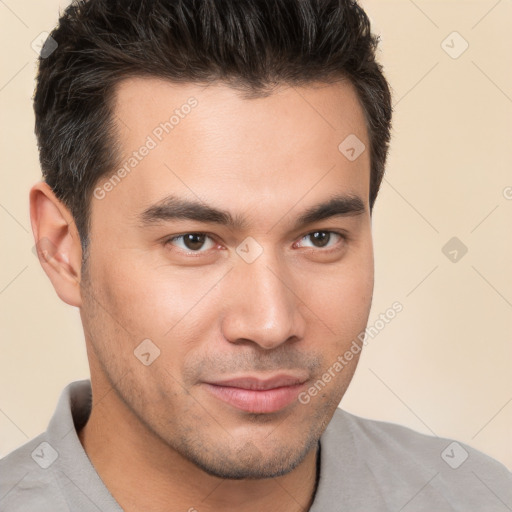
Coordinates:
[404,442]
[441,470]
[27,480]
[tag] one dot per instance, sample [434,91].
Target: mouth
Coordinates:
[257,395]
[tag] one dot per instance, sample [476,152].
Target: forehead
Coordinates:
[212,143]
[144,104]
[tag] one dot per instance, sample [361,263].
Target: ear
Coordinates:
[57,242]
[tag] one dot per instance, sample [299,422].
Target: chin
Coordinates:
[248,461]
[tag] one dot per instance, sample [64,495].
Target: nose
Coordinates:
[262,305]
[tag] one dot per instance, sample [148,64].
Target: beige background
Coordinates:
[442,366]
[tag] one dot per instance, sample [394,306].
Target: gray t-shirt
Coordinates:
[365,466]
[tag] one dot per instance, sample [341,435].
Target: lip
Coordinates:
[257,395]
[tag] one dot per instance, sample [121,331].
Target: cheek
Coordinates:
[152,300]
[175,309]
[342,298]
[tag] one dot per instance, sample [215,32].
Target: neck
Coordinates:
[143,473]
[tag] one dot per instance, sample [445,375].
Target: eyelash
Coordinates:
[343,237]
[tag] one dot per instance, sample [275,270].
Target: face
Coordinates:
[219,293]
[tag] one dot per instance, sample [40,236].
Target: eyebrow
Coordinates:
[176,208]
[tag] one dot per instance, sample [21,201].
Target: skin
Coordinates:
[156,436]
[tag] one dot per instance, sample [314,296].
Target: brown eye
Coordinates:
[192,242]
[322,239]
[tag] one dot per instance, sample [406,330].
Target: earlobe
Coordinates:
[57,242]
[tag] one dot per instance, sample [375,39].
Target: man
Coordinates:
[210,170]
